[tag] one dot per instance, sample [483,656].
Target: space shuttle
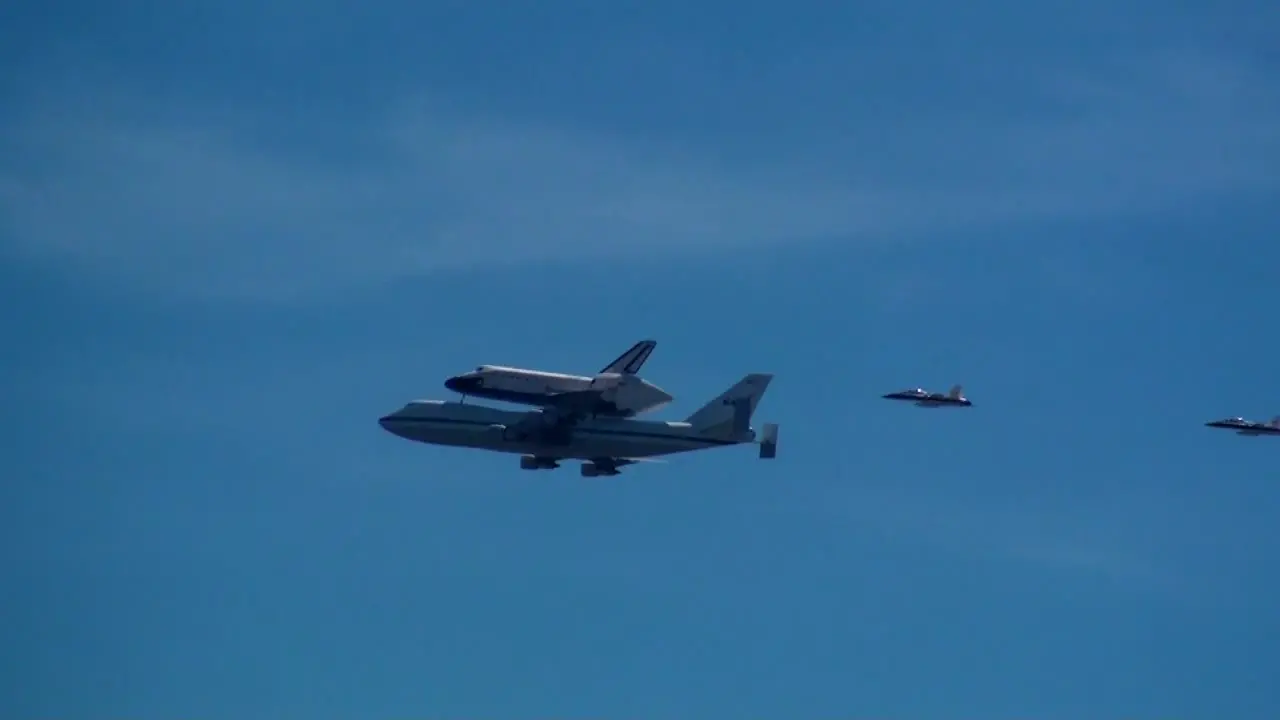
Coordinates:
[616,391]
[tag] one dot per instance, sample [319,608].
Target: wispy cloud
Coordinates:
[184,199]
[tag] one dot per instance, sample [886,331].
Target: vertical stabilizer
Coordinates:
[730,412]
[630,362]
[956,392]
[1275,422]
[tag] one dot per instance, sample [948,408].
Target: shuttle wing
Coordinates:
[575,400]
[579,403]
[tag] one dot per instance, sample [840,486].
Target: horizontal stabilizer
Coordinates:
[769,441]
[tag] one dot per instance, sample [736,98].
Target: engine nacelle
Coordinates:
[531,462]
[594,470]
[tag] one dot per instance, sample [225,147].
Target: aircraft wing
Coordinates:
[550,425]
[609,466]
[621,461]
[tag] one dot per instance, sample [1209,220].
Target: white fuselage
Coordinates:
[455,424]
[618,395]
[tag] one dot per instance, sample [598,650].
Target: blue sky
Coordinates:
[234,234]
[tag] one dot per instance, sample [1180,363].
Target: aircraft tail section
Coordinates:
[730,412]
[630,362]
[956,392]
[1275,422]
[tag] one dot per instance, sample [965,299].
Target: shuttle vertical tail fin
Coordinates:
[1275,422]
[956,392]
[630,362]
[730,412]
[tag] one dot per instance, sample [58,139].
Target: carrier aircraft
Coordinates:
[546,437]
[615,391]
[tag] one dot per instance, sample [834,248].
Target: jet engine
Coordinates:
[531,462]
[596,470]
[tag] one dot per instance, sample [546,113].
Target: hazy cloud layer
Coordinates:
[184,198]
[1099,540]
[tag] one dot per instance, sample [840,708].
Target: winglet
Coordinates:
[630,362]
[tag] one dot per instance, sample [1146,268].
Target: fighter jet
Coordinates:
[615,391]
[544,438]
[953,398]
[1248,427]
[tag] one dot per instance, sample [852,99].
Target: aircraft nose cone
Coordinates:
[390,424]
[462,384]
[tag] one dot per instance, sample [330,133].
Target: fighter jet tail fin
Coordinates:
[956,392]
